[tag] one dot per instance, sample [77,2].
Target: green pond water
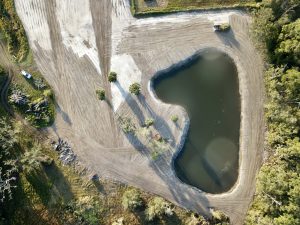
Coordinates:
[207,87]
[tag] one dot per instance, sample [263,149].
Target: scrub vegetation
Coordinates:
[112,77]
[135,88]
[140,7]
[101,94]
[277,198]
[33,99]
[14,33]
[174,118]
[37,188]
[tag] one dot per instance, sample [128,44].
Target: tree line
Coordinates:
[277,200]
[14,33]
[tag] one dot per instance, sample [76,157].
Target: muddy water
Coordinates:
[207,87]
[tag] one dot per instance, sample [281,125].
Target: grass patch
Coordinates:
[148,7]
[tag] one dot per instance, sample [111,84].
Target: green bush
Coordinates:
[101,94]
[149,122]
[131,200]
[196,219]
[86,209]
[157,207]
[225,27]
[135,88]
[112,77]
[218,217]
[127,125]
[48,93]
[174,118]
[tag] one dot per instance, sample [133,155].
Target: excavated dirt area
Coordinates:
[77,42]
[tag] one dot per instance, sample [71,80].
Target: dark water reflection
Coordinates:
[208,89]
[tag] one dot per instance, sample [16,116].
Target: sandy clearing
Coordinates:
[142,48]
[75,20]
[128,73]
[36,21]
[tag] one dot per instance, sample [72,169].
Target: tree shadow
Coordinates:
[136,109]
[151,3]
[161,220]
[172,220]
[163,166]
[59,184]
[228,38]
[99,186]
[64,115]
[132,103]
[40,184]
[160,122]
[21,209]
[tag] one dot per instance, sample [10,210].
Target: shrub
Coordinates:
[219,217]
[86,209]
[112,77]
[196,219]
[127,125]
[48,93]
[101,94]
[18,97]
[174,118]
[149,122]
[39,83]
[131,200]
[135,88]
[157,207]
[224,27]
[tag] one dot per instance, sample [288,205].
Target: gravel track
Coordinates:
[153,44]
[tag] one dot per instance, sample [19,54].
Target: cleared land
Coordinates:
[75,50]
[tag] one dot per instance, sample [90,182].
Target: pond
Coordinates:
[207,87]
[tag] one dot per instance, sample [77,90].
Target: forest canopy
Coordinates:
[277,200]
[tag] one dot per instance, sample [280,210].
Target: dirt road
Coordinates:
[76,42]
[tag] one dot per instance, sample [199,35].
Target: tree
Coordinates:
[131,199]
[112,77]
[174,118]
[291,84]
[288,46]
[101,94]
[196,219]
[7,138]
[33,158]
[135,88]
[278,188]
[264,28]
[282,114]
[8,166]
[219,217]
[6,183]
[157,207]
